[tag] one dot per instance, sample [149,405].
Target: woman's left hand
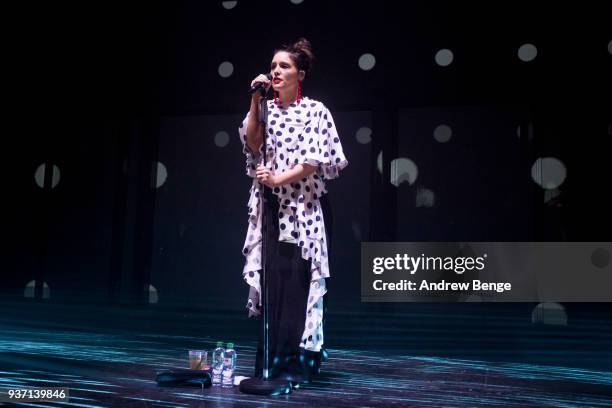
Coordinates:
[265,176]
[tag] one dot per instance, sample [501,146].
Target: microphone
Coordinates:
[259,86]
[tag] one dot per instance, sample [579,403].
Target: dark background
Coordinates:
[104,90]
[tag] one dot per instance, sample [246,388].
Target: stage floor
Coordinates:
[105,367]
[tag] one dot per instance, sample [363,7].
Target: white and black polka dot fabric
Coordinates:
[301,133]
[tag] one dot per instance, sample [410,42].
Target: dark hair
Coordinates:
[301,54]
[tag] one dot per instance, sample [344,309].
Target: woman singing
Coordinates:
[303,150]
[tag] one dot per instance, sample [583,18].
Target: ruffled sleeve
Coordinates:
[252,159]
[321,145]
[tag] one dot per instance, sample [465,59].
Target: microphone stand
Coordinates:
[264,385]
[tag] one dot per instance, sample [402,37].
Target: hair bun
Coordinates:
[302,44]
[304,47]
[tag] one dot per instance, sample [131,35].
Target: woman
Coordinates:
[302,151]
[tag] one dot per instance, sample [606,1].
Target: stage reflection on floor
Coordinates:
[105,367]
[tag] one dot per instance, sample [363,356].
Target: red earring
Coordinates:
[299,92]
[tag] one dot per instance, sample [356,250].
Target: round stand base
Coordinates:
[258,386]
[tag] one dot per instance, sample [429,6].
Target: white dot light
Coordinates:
[442,133]
[226,69]
[379,162]
[367,62]
[444,57]
[364,135]
[162,174]
[527,52]
[296,1]
[549,313]
[228,5]
[222,139]
[29,290]
[425,197]
[548,172]
[39,176]
[403,169]
[153,297]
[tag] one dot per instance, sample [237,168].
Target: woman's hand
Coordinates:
[265,176]
[260,78]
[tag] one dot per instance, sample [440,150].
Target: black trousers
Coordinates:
[288,278]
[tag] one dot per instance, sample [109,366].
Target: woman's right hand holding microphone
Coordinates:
[260,78]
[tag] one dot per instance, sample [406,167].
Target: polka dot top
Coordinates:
[300,133]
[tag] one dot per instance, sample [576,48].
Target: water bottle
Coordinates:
[229,365]
[217,363]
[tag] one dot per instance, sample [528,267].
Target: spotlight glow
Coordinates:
[403,169]
[364,135]
[548,172]
[39,176]
[162,174]
[527,52]
[444,57]
[226,69]
[228,5]
[222,138]
[442,133]
[367,62]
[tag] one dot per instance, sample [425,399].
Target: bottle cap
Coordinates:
[219,344]
[230,345]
